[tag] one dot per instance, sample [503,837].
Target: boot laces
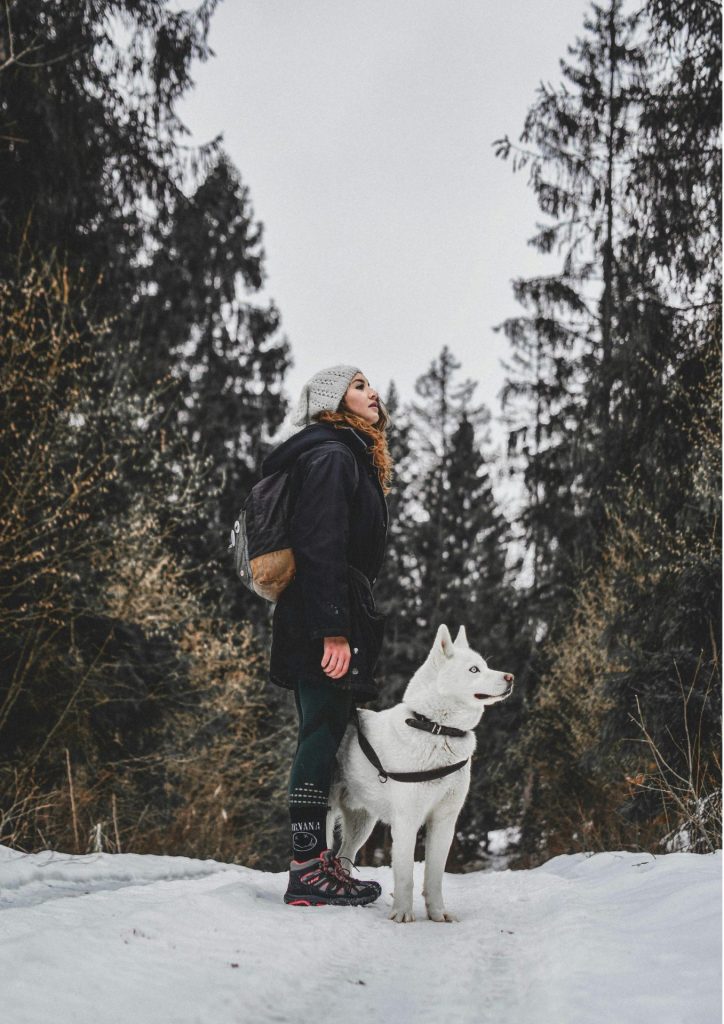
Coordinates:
[338,870]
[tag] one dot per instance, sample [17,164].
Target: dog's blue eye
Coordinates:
[474,668]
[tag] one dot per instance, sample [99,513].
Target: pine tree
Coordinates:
[473,570]
[573,140]
[435,421]
[446,561]
[630,156]
[479,594]
[674,241]
[144,259]
[197,317]
[677,170]
[90,136]
[670,638]
[164,234]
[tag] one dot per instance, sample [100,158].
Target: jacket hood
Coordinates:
[285,454]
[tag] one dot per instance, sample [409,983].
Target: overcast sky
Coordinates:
[364,131]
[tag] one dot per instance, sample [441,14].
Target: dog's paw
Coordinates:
[440,914]
[401,916]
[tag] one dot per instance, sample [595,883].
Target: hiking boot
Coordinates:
[323,881]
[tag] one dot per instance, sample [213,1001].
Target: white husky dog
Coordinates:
[451,689]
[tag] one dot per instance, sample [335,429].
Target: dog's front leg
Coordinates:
[404,834]
[438,840]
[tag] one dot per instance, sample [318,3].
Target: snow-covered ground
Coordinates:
[619,938]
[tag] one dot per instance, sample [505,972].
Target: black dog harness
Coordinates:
[418,722]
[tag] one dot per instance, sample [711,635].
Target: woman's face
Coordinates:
[362,399]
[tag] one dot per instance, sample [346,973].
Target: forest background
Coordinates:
[142,382]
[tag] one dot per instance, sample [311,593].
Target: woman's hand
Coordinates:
[336,657]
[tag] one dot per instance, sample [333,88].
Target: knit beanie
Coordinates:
[323,392]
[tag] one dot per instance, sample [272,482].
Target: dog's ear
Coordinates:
[461,640]
[443,646]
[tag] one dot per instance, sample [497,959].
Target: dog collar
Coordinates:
[420,722]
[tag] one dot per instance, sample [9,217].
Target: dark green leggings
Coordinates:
[324,713]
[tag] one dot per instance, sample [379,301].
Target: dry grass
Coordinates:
[132,716]
[590,782]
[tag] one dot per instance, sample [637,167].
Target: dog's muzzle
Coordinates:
[487,696]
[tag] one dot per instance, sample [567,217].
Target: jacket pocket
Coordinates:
[368,628]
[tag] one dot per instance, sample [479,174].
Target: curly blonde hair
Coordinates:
[375,432]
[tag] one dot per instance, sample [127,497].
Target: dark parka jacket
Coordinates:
[338,535]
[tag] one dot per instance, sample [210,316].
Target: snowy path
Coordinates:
[617,938]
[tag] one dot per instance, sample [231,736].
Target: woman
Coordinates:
[326,633]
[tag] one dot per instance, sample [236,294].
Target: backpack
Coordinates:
[260,539]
